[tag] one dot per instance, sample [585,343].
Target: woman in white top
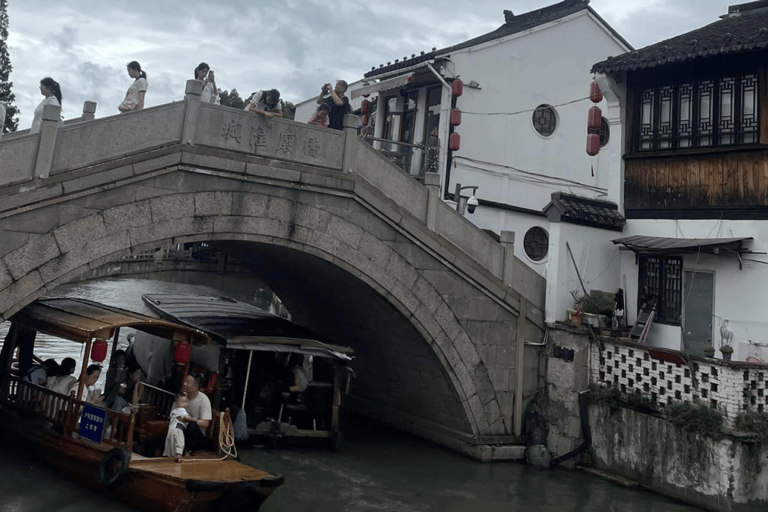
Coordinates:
[52,92]
[134,98]
[205,75]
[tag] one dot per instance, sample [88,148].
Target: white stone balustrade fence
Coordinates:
[731,387]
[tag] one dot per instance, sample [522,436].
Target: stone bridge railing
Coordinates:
[665,376]
[85,154]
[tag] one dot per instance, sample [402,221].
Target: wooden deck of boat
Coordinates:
[204,467]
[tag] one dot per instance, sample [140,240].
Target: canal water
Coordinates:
[376,469]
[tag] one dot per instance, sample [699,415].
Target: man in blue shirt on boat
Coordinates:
[199,408]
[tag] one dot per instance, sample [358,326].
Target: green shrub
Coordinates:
[695,419]
[614,400]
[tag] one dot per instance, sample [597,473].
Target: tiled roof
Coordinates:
[582,210]
[512,25]
[744,30]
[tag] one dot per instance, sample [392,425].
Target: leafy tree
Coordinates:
[11,120]
[229,99]
[288,109]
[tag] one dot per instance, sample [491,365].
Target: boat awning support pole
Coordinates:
[247,378]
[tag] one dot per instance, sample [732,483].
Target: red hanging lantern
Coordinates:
[455,117]
[181,352]
[365,107]
[454,142]
[594,118]
[593,144]
[594,92]
[457,88]
[365,119]
[99,350]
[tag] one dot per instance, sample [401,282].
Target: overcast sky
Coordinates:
[291,45]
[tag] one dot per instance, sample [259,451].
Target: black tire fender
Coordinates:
[114,466]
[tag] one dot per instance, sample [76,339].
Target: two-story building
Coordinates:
[693,181]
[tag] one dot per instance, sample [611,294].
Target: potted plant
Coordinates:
[596,304]
[709,350]
[727,352]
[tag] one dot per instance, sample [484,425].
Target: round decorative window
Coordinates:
[536,243]
[605,132]
[545,120]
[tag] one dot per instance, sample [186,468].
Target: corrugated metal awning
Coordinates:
[385,85]
[660,244]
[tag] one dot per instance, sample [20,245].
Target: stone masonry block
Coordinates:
[478,412]
[295,233]
[11,241]
[487,354]
[324,242]
[29,257]
[427,295]
[483,384]
[467,349]
[250,205]
[492,412]
[213,203]
[127,216]
[12,298]
[37,221]
[402,270]
[377,251]
[161,231]
[279,208]
[79,232]
[404,295]
[112,197]
[465,379]
[176,206]
[480,308]
[345,231]
[381,276]
[506,356]
[429,322]
[446,347]
[81,256]
[312,218]
[445,317]
[353,257]
[377,227]
[5,276]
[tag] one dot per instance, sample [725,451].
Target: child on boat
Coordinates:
[174,441]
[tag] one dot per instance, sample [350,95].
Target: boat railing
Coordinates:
[160,398]
[63,411]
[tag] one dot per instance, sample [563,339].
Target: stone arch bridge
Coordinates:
[437,311]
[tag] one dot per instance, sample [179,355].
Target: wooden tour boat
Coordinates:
[99,448]
[260,348]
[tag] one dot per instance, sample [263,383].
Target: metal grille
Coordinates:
[662,277]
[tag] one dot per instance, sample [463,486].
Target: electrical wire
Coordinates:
[521,111]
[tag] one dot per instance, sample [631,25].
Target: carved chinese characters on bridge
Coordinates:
[258,137]
[311,146]
[286,144]
[231,130]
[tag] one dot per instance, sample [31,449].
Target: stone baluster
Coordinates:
[350,143]
[432,182]
[89,110]
[49,132]
[192,98]
[507,239]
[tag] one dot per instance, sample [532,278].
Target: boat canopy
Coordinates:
[241,326]
[82,320]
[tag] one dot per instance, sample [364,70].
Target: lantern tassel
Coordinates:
[593,171]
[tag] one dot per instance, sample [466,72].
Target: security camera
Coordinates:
[472,204]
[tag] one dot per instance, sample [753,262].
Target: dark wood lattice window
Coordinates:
[545,120]
[536,243]
[707,112]
[605,132]
[662,277]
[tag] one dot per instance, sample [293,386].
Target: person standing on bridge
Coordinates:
[338,102]
[52,92]
[204,74]
[265,103]
[134,98]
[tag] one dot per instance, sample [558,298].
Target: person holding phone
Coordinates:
[338,103]
[204,73]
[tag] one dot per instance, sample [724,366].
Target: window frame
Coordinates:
[667,285]
[744,128]
[555,120]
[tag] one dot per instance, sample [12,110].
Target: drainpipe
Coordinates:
[585,432]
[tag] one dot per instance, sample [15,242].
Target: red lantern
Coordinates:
[593,144]
[365,107]
[99,350]
[365,119]
[454,142]
[594,93]
[455,117]
[594,118]
[457,88]
[181,352]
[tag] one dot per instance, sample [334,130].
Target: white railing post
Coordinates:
[432,182]
[49,132]
[507,239]
[89,110]
[350,141]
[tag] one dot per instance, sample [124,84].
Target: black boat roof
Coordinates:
[242,326]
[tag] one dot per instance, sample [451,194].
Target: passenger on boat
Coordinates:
[88,394]
[199,409]
[116,375]
[38,373]
[61,381]
[174,441]
[131,393]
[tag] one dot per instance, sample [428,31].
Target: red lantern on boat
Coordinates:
[594,118]
[593,144]
[595,94]
[181,352]
[365,107]
[454,142]
[455,117]
[365,119]
[99,350]
[457,87]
